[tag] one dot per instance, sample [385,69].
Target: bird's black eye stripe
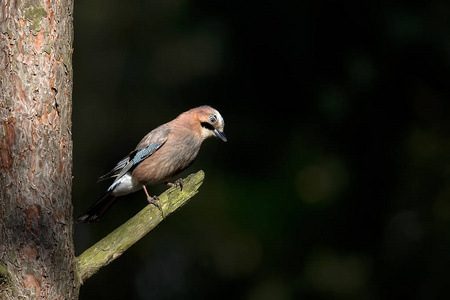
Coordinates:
[207,125]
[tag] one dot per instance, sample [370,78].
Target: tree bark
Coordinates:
[36,226]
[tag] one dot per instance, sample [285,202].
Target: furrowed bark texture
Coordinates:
[36,244]
[113,245]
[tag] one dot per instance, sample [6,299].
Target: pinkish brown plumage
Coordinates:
[161,155]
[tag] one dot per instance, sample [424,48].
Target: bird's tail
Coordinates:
[98,209]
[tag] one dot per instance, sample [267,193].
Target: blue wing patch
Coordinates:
[144,153]
[138,157]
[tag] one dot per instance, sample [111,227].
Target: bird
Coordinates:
[161,155]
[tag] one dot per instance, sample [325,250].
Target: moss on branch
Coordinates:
[117,242]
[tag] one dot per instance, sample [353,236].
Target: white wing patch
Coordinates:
[124,185]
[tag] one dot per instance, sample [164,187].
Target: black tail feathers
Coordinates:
[98,209]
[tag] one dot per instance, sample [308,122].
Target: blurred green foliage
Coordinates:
[335,181]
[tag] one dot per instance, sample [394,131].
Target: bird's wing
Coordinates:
[149,144]
[137,157]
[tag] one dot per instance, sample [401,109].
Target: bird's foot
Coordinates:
[178,182]
[154,201]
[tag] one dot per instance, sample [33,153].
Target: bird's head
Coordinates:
[211,122]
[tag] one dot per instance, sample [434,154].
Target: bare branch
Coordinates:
[118,241]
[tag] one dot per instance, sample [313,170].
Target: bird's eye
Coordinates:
[212,118]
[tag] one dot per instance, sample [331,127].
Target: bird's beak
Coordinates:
[220,135]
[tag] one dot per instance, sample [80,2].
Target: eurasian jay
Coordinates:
[162,154]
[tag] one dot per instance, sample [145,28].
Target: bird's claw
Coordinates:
[178,182]
[154,201]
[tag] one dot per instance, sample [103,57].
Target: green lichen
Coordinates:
[2,135]
[35,15]
[9,101]
[4,276]
[47,49]
[8,30]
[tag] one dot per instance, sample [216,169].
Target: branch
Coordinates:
[117,242]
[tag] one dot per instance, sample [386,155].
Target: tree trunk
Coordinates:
[36,226]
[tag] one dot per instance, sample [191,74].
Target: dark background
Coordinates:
[335,181]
